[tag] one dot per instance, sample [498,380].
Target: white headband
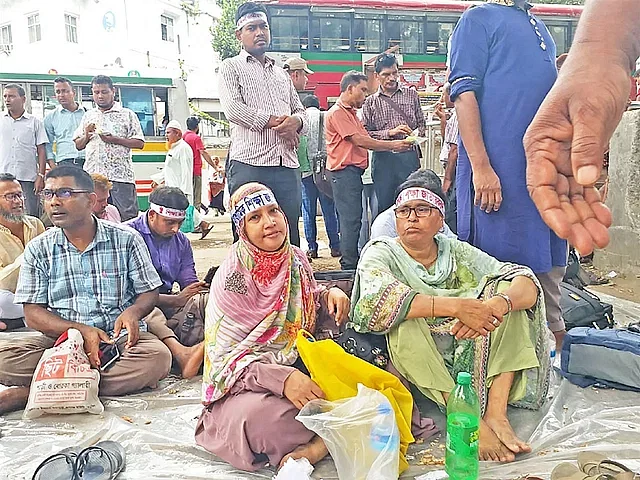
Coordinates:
[251,17]
[168,212]
[252,202]
[419,193]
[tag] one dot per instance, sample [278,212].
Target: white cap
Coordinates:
[174,124]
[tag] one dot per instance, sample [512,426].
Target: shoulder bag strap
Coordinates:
[395,106]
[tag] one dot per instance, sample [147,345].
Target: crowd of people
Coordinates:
[478,293]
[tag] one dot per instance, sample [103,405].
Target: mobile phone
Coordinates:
[210,274]
[108,354]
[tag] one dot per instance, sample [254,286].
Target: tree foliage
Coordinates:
[224,38]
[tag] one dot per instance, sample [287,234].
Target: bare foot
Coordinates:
[491,448]
[190,359]
[503,430]
[314,451]
[14,398]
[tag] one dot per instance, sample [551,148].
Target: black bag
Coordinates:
[581,308]
[321,176]
[367,346]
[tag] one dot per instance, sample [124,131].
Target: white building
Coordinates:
[155,38]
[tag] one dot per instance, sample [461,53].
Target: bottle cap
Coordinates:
[464,378]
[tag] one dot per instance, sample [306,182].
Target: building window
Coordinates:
[6,41]
[71,28]
[33,21]
[166,27]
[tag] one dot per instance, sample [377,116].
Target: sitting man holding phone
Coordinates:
[172,257]
[90,275]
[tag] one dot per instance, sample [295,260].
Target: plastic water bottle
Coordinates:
[384,432]
[463,431]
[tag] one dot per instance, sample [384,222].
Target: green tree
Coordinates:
[224,31]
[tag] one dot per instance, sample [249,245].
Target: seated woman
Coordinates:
[447,307]
[261,296]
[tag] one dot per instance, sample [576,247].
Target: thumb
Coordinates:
[587,149]
[331,304]
[104,336]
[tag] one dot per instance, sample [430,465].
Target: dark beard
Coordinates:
[12,217]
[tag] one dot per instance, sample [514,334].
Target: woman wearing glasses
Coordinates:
[447,307]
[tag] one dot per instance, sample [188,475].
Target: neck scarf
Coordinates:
[259,301]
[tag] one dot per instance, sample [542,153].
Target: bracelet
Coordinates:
[433,306]
[506,298]
[41,175]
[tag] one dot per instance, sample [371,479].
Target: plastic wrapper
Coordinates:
[292,469]
[360,434]
[156,427]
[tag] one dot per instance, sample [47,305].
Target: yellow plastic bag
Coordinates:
[338,374]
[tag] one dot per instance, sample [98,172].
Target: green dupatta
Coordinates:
[388,279]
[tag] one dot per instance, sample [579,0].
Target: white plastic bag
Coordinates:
[292,469]
[64,381]
[360,433]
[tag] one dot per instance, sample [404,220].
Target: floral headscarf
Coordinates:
[259,301]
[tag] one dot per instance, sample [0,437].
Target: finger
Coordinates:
[485,202]
[117,328]
[488,325]
[588,145]
[339,312]
[498,200]
[134,335]
[456,327]
[94,358]
[316,390]
[104,336]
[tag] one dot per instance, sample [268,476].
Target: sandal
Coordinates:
[102,461]
[593,463]
[568,471]
[60,466]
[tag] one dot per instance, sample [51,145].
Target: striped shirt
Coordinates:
[450,137]
[250,94]
[92,287]
[60,126]
[379,117]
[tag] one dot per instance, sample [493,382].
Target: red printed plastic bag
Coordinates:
[64,381]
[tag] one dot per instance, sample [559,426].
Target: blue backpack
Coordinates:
[608,358]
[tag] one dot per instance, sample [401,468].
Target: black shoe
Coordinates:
[312,253]
[335,252]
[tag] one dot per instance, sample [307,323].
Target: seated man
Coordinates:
[172,258]
[103,210]
[91,275]
[430,295]
[16,230]
[385,223]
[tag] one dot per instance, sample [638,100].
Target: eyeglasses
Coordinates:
[421,211]
[61,193]
[13,197]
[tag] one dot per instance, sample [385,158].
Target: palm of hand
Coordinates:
[572,129]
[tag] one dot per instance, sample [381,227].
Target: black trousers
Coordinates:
[388,171]
[285,183]
[31,199]
[347,196]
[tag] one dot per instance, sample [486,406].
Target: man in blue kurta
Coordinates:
[502,67]
[172,257]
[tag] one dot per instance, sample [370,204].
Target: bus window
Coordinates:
[162,108]
[289,29]
[332,32]
[405,32]
[438,34]
[367,32]
[140,100]
[559,34]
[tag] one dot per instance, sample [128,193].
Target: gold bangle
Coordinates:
[433,306]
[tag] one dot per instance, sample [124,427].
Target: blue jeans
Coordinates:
[310,197]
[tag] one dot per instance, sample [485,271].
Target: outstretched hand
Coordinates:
[565,146]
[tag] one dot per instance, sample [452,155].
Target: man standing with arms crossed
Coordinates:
[109,132]
[22,146]
[259,99]
[61,124]
[393,112]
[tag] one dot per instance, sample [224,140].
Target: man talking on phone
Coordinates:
[90,275]
[172,258]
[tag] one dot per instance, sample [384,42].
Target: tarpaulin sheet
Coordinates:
[156,429]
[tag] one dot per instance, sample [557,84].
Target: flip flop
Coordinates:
[102,461]
[205,232]
[568,471]
[59,466]
[593,463]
